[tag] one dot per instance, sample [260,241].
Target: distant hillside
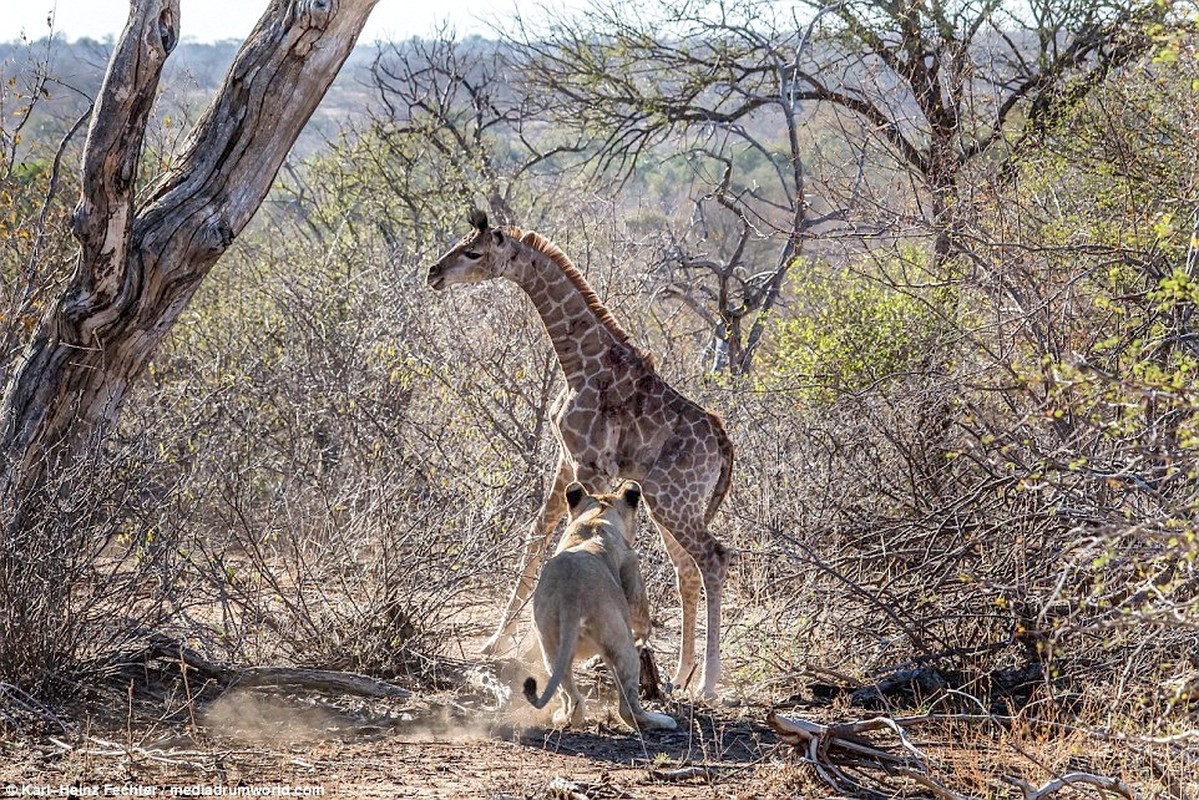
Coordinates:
[76,69]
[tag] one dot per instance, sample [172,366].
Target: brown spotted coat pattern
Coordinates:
[615,419]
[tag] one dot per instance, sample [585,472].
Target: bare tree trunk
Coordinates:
[139,265]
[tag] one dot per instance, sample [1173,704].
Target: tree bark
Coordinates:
[140,263]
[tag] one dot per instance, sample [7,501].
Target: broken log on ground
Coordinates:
[228,676]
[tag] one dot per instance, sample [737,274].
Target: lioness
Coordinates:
[591,600]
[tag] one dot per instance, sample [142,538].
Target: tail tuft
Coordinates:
[531,691]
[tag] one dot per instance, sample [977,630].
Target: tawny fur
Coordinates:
[590,600]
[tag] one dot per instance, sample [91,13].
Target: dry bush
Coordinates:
[83,574]
[1021,518]
[93,570]
[362,454]
[1030,548]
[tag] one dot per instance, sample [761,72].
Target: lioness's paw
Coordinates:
[660,721]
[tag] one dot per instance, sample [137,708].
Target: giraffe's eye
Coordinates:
[472,255]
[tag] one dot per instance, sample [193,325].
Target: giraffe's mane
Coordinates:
[543,245]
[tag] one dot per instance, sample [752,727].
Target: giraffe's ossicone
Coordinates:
[615,419]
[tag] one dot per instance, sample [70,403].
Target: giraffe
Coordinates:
[616,418]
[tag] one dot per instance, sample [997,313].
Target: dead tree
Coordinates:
[144,251]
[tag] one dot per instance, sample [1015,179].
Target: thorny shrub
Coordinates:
[328,463]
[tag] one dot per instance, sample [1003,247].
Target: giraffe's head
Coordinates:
[618,509]
[477,257]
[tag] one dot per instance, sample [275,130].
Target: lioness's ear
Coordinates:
[575,494]
[632,494]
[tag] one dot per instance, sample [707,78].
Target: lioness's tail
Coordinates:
[567,634]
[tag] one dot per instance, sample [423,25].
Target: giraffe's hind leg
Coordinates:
[688,582]
[698,560]
[714,569]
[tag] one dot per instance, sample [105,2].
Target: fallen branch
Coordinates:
[195,760]
[1113,785]
[705,774]
[831,749]
[227,676]
[845,737]
[315,679]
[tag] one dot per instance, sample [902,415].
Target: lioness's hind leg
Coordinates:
[626,667]
[573,704]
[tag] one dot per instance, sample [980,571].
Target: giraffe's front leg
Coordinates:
[536,543]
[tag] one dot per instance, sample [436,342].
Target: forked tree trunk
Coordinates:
[142,258]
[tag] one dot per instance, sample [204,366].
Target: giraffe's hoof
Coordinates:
[708,692]
[682,680]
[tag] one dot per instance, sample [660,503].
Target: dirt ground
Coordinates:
[479,739]
[151,734]
[476,741]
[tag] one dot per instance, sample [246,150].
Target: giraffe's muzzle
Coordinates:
[436,277]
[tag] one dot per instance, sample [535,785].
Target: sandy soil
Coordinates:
[472,742]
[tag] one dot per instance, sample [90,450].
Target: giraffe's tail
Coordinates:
[726,469]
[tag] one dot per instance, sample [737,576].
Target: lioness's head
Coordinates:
[618,509]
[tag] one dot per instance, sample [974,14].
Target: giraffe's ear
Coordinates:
[499,237]
[575,494]
[631,494]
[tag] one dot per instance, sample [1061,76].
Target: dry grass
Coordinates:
[329,467]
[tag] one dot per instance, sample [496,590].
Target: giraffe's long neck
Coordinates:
[579,335]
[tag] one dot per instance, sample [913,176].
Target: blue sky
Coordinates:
[211,20]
